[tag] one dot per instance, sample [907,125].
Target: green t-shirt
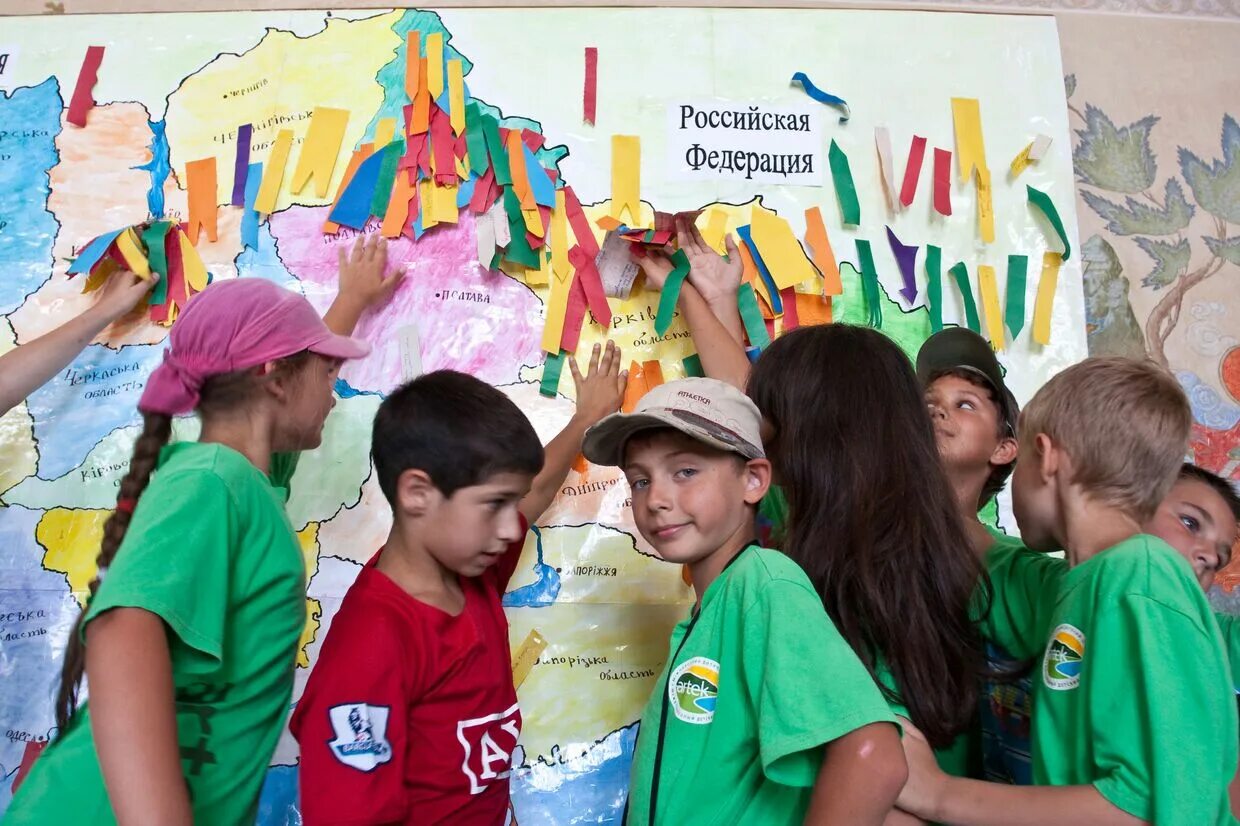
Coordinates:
[763,682]
[210,551]
[1132,692]
[1230,626]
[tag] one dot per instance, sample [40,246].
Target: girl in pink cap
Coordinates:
[190,634]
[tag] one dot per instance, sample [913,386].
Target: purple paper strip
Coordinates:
[242,165]
[906,258]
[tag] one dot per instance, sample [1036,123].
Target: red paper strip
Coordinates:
[791,320]
[592,284]
[912,170]
[580,223]
[484,193]
[177,289]
[83,100]
[443,145]
[943,181]
[590,96]
[574,317]
[534,140]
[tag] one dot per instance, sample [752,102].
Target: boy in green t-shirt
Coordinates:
[1133,720]
[741,727]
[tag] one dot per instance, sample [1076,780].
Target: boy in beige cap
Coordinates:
[743,726]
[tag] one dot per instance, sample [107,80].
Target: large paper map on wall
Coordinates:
[175,88]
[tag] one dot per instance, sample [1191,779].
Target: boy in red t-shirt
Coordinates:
[410,715]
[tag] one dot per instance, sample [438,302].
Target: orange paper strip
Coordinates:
[201,184]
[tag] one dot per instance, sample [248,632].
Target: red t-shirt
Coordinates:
[410,715]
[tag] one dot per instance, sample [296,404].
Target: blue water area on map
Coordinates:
[594,794]
[544,590]
[29,124]
[89,399]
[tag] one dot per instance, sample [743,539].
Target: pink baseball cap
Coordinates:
[234,325]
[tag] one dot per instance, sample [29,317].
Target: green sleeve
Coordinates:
[1023,584]
[791,646]
[1229,624]
[283,466]
[1163,723]
[174,562]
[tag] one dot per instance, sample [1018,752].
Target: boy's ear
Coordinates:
[1048,456]
[757,480]
[1005,452]
[416,494]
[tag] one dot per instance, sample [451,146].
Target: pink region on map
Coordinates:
[468,318]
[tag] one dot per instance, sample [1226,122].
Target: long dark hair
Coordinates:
[871,517]
[218,393]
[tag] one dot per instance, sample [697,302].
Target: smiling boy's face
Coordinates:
[1196,521]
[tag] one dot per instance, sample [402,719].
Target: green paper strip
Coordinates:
[934,286]
[751,317]
[154,239]
[869,284]
[670,293]
[518,250]
[387,178]
[499,152]
[1014,313]
[961,273]
[693,367]
[476,140]
[552,367]
[1043,202]
[845,189]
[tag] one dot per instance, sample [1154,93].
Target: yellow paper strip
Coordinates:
[626,165]
[434,64]
[989,288]
[1046,297]
[557,306]
[539,276]
[273,173]
[320,150]
[456,96]
[462,167]
[130,249]
[716,229]
[426,203]
[559,238]
[526,656]
[446,211]
[533,221]
[99,275]
[970,148]
[191,264]
[779,248]
[385,130]
[985,207]
[1021,162]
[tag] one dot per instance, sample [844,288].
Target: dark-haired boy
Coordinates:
[410,715]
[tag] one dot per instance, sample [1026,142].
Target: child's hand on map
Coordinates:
[121,293]
[656,265]
[363,272]
[715,277]
[601,390]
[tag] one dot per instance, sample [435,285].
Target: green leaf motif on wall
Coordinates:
[1138,218]
[1228,249]
[1110,322]
[1116,159]
[1216,186]
[1169,260]
[1069,85]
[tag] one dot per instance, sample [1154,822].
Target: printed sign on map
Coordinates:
[723,140]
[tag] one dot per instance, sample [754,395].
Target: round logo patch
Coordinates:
[1065,656]
[693,689]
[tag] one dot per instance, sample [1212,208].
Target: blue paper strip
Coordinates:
[353,208]
[777,305]
[95,250]
[821,96]
[540,182]
[249,218]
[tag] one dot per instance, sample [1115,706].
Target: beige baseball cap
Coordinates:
[711,411]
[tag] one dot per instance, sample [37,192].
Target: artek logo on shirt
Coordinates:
[361,735]
[1065,656]
[488,743]
[693,690]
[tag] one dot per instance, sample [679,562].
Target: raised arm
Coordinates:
[28,367]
